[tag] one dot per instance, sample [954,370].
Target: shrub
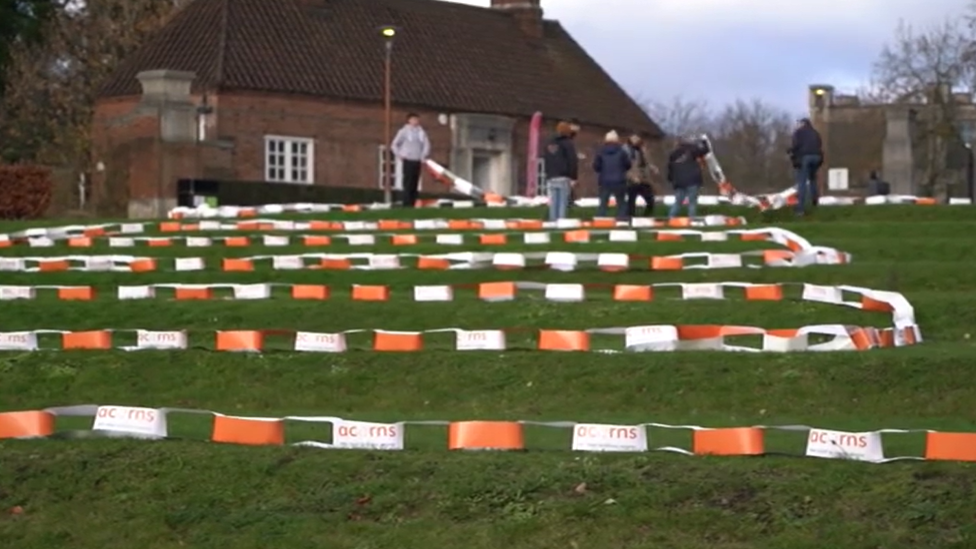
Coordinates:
[25,191]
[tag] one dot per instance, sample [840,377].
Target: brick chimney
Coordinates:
[528,14]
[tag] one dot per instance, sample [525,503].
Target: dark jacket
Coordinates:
[877,186]
[561,158]
[611,165]
[684,167]
[640,168]
[806,142]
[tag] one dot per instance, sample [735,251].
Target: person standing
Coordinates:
[639,177]
[612,163]
[562,170]
[685,174]
[806,154]
[412,147]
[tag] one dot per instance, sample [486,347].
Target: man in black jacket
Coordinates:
[806,154]
[685,173]
[562,169]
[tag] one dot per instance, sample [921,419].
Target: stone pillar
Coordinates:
[898,161]
[165,97]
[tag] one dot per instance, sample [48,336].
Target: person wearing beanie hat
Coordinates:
[611,164]
[562,170]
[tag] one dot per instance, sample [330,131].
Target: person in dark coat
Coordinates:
[639,177]
[611,165]
[685,174]
[878,186]
[562,170]
[806,154]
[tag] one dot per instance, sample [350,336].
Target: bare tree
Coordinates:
[750,140]
[680,116]
[52,86]
[923,68]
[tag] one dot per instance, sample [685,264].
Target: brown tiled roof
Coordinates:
[447,56]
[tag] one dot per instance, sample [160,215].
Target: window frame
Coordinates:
[288,159]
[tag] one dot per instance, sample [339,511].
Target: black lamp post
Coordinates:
[388,32]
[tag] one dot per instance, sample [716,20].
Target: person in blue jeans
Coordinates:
[806,154]
[562,169]
[685,174]
[611,165]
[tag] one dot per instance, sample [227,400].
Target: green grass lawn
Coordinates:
[185,492]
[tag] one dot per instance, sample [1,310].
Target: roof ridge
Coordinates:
[218,76]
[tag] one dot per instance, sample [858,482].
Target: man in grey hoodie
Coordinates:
[412,147]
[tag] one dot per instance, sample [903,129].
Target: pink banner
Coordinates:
[532,168]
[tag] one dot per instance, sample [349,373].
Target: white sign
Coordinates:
[16,292]
[480,340]
[364,435]
[561,261]
[139,422]
[623,236]
[12,264]
[274,240]
[565,292]
[704,290]
[287,262]
[252,291]
[361,240]
[99,263]
[616,262]
[714,236]
[536,237]
[40,242]
[18,341]
[433,293]
[724,261]
[844,445]
[384,261]
[823,294]
[320,342]
[121,242]
[146,339]
[449,239]
[651,338]
[592,437]
[131,228]
[198,242]
[838,179]
[507,260]
[189,263]
[136,292]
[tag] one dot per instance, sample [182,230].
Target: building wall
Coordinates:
[348,134]
[884,137]
[139,166]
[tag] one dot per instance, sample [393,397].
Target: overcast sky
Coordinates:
[719,50]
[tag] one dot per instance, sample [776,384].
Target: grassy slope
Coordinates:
[117,494]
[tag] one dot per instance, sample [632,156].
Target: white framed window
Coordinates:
[289,159]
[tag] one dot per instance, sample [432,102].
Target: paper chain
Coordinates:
[577,236]
[207,212]
[254,225]
[152,423]
[904,330]
[565,261]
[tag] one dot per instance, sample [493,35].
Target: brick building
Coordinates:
[892,138]
[292,91]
